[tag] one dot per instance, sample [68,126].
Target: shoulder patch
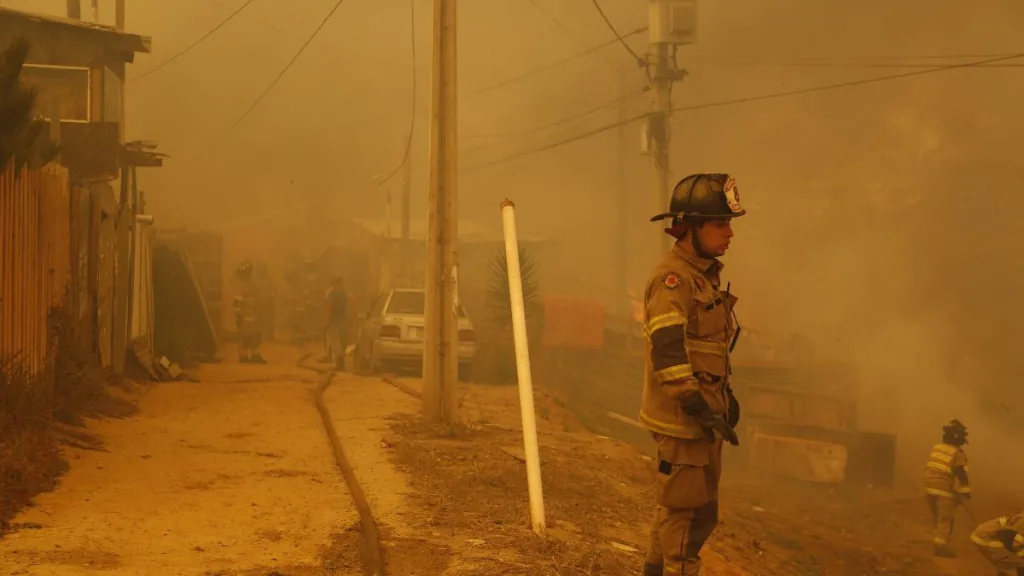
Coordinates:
[671,280]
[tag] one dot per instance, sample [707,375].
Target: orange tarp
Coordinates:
[571,322]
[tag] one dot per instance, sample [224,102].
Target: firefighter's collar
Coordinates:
[707,265]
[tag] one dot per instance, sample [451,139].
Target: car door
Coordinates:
[374,320]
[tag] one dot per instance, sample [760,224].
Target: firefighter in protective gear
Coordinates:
[687,404]
[246,318]
[1002,542]
[946,483]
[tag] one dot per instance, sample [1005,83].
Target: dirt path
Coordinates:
[229,476]
[364,410]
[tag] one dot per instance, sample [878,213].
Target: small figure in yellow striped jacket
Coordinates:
[946,483]
[1002,542]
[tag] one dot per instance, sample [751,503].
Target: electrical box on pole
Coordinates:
[673,22]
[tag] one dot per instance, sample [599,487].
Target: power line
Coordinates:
[745,100]
[551,17]
[194,44]
[287,67]
[551,65]
[852,83]
[576,116]
[841,65]
[412,123]
[639,61]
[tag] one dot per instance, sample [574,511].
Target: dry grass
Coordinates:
[41,412]
[474,494]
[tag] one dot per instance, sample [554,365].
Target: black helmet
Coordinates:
[954,433]
[704,196]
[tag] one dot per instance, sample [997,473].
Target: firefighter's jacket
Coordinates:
[1006,533]
[689,324]
[946,472]
[245,307]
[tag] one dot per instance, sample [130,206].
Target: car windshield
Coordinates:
[407,303]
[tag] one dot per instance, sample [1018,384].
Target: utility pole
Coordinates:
[659,128]
[672,24]
[119,14]
[75,9]
[406,197]
[623,215]
[405,260]
[440,359]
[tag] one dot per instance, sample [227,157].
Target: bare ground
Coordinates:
[469,490]
[231,475]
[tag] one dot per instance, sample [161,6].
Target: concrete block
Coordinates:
[809,460]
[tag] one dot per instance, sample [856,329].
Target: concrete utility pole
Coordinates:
[673,23]
[440,359]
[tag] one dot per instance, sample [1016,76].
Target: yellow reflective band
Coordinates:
[941,541]
[939,493]
[963,490]
[1018,540]
[947,448]
[673,373]
[941,456]
[1002,521]
[986,543]
[707,347]
[940,467]
[664,321]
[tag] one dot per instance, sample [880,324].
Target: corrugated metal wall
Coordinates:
[34,257]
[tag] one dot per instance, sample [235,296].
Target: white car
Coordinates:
[391,334]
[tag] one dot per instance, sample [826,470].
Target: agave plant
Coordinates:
[498,296]
[20,130]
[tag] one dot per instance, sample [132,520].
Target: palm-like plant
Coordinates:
[498,297]
[20,130]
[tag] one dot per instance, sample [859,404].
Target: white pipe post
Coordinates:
[526,406]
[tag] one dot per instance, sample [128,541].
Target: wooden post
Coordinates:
[441,361]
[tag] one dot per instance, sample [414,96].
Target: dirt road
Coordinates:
[231,475]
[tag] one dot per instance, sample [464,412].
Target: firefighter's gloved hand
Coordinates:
[1006,538]
[696,406]
[717,423]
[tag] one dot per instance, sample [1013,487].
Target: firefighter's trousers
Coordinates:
[687,511]
[942,509]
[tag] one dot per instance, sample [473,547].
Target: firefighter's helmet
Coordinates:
[704,197]
[954,433]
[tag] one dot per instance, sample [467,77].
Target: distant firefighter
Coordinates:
[246,316]
[336,322]
[946,484]
[1002,542]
